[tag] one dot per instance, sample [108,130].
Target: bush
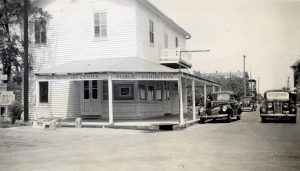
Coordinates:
[15,110]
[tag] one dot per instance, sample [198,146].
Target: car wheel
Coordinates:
[263,119]
[229,118]
[238,117]
[202,120]
[293,120]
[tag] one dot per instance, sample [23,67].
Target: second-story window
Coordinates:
[176,42]
[100,24]
[151,31]
[40,33]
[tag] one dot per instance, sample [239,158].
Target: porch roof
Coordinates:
[126,64]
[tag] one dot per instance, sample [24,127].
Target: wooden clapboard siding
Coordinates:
[147,50]
[70,34]
[65,99]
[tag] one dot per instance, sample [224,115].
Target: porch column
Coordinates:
[213,88]
[220,88]
[204,93]
[181,119]
[110,100]
[194,100]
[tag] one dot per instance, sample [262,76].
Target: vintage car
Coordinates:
[248,103]
[223,104]
[279,104]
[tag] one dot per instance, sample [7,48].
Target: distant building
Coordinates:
[296,68]
[227,74]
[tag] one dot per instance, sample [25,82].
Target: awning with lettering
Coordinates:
[119,69]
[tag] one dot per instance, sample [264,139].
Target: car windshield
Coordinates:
[221,97]
[277,96]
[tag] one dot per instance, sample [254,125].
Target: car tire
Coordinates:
[238,117]
[263,119]
[293,120]
[228,118]
[202,120]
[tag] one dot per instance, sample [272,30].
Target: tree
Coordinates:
[11,44]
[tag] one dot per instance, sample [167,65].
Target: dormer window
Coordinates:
[100,25]
[40,32]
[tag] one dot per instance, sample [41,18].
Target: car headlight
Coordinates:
[285,105]
[293,110]
[270,105]
[224,108]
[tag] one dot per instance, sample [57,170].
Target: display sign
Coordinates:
[74,77]
[103,76]
[6,98]
[145,76]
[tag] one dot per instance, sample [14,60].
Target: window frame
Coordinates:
[100,25]
[42,100]
[151,31]
[40,29]
[176,42]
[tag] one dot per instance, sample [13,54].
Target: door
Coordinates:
[90,98]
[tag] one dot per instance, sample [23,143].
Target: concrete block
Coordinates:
[78,123]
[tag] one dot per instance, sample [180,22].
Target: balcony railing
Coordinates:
[171,58]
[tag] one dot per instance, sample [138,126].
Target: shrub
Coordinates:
[15,110]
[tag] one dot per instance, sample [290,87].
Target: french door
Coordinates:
[90,101]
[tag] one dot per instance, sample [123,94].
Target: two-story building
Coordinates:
[108,59]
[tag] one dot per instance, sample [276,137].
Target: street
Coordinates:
[247,144]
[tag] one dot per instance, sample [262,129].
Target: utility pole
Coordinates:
[245,91]
[26,111]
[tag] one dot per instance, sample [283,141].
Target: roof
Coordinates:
[165,17]
[278,90]
[125,64]
[297,63]
[147,4]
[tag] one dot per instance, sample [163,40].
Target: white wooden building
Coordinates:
[109,59]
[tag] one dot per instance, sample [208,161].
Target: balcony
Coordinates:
[171,58]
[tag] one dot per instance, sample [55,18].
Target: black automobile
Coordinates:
[279,104]
[248,103]
[223,104]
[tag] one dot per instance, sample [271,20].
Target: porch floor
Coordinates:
[146,124]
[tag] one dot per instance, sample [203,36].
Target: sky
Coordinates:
[267,32]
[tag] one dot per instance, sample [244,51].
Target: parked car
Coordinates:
[279,104]
[223,104]
[248,103]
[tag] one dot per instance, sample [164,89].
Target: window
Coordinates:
[95,89]
[167,91]
[44,92]
[40,32]
[150,93]
[86,90]
[123,92]
[151,31]
[100,24]
[176,42]
[142,91]
[105,90]
[166,40]
[158,92]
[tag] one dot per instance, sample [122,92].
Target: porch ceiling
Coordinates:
[132,64]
